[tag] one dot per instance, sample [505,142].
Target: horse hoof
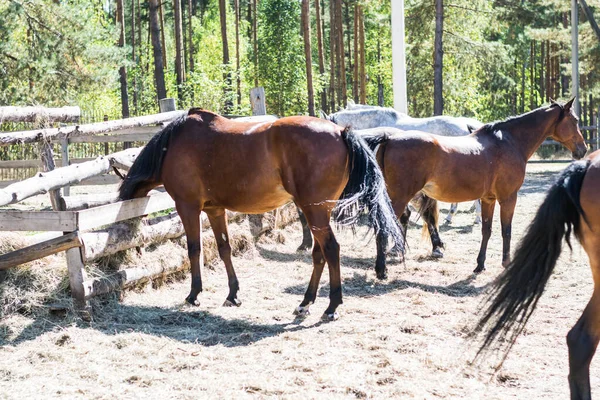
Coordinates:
[330,317]
[479,269]
[192,301]
[447,221]
[302,248]
[381,275]
[302,311]
[477,221]
[437,253]
[234,303]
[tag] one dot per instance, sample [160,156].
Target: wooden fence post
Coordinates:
[64,153]
[257,100]
[598,129]
[166,104]
[77,276]
[47,158]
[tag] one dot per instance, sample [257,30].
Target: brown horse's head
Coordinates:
[567,131]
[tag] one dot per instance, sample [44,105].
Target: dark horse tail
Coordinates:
[516,292]
[144,174]
[366,191]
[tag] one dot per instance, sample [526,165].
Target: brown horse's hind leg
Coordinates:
[307,241]
[218,222]
[487,214]
[190,217]
[403,213]
[430,214]
[507,210]
[311,292]
[318,220]
[583,341]
[583,338]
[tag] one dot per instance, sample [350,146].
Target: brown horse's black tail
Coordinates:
[145,171]
[366,191]
[516,292]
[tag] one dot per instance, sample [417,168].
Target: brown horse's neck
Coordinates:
[529,131]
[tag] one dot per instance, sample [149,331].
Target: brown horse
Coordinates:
[488,164]
[572,204]
[210,163]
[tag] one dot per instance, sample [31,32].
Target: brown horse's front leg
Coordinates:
[507,210]
[218,222]
[190,217]
[487,214]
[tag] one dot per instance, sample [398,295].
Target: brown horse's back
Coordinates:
[254,167]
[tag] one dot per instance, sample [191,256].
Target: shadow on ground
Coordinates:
[182,323]
[360,286]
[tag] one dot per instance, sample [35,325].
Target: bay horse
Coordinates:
[488,164]
[363,117]
[571,205]
[209,163]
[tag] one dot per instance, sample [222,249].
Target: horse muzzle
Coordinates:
[580,151]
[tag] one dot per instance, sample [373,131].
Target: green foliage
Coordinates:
[55,54]
[281,57]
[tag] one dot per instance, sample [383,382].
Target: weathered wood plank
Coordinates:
[64,221]
[88,129]
[44,182]
[39,250]
[138,137]
[39,114]
[123,210]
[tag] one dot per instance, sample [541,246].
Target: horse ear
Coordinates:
[552,101]
[568,104]
[323,115]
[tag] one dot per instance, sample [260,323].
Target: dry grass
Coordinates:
[403,338]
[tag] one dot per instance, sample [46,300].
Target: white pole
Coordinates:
[399,56]
[575,54]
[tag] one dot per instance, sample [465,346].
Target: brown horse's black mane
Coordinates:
[510,122]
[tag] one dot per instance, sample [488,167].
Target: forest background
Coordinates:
[499,58]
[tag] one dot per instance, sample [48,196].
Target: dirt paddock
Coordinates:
[401,338]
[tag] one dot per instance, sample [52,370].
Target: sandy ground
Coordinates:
[401,338]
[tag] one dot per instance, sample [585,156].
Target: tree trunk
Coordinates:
[346,24]
[159,73]
[548,71]
[542,80]
[438,64]
[308,55]
[355,94]
[255,40]
[190,37]
[532,75]
[133,58]
[162,36]
[362,87]
[237,52]
[226,73]
[332,57]
[179,58]
[122,70]
[380,99]
[321,57]
[343,95]
[590,17]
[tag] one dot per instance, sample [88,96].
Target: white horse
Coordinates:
[361,116]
